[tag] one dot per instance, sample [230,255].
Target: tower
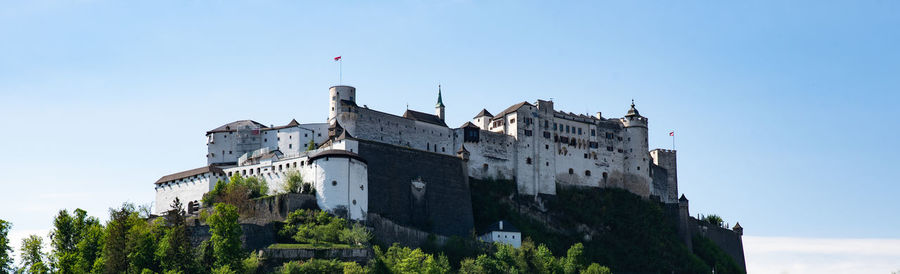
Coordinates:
[637,156]
[439,108]
[340,97]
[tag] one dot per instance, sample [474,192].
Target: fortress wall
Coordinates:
[186,190]
[497,151]
[726,239]
[386,128]
[441,205]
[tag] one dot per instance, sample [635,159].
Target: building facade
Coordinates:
[534,144]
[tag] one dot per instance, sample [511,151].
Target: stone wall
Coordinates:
[278,256]
[276,208]
[726,239]
[254,237]
[388,232]
[438,202]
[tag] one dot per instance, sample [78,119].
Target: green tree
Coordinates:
[175,247]
[90,248]
[115,248]
[32,255]
[313,266]
[293,183]
[141,245]
[355,235]
[575,260]
[399,259]
[6,260]
[68,231]
[596,269]
[714,219]
[311,146]
[226,236]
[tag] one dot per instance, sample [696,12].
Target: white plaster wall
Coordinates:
[510,238]
[186,190]
[221,148]
[339,181]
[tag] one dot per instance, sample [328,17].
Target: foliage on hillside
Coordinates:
[715,256]
[237,191]
[318,227]
[628,234]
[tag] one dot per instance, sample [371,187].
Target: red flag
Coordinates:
[672,133]
[337,58]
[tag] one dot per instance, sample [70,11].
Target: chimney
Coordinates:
[501,225]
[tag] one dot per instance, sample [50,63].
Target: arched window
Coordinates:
[528,160]
[334,183]
[587,173]
[571,171]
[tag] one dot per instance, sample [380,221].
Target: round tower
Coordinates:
[336,95]
[637,155]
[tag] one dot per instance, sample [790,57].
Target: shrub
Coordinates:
[313,266]
[714,219]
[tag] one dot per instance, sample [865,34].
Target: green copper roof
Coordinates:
[440,102]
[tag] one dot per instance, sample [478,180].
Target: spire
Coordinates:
[440,102]
[633,111]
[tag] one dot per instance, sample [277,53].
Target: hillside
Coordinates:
[618,229]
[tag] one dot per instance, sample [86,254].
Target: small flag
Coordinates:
[337,58]
[672,133]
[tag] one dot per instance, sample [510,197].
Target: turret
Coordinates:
[738,229]
[439,108]
[483,119]
[340,97]
[637,155]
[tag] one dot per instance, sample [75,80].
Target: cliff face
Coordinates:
[618,229]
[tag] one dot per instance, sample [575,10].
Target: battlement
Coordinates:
[663,150]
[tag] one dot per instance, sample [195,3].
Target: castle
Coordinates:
[533,144]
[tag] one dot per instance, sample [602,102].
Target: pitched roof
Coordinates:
[507,227]
[233,126]
[424,117]
[682,198]
[484,112]
[511,109]
[292,123]
[189,173]
[468,124]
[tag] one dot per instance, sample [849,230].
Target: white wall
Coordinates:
[186,190]
[510,238]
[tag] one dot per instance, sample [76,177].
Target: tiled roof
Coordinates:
[233,126]
[468,124]
[513,108]
[424,117]
[484,112]
[188,173]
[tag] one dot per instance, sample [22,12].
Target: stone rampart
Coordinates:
[424,190]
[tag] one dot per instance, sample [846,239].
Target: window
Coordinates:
[546,124]
[593,144]
[334,183]
[290,146]
[547,134]
[547,163]
[554,126]
[512,121]
[528,132]
[229,152]
[609,148]
[639,167]
[579,131]
[571,171]
[484,168]
[593,132]
[528,160]
[587,173]
[567,129]
[354,201]
[547,146]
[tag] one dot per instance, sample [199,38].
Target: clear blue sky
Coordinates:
[786,112]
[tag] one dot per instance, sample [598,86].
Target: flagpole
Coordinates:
[673,140]
[341,71]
